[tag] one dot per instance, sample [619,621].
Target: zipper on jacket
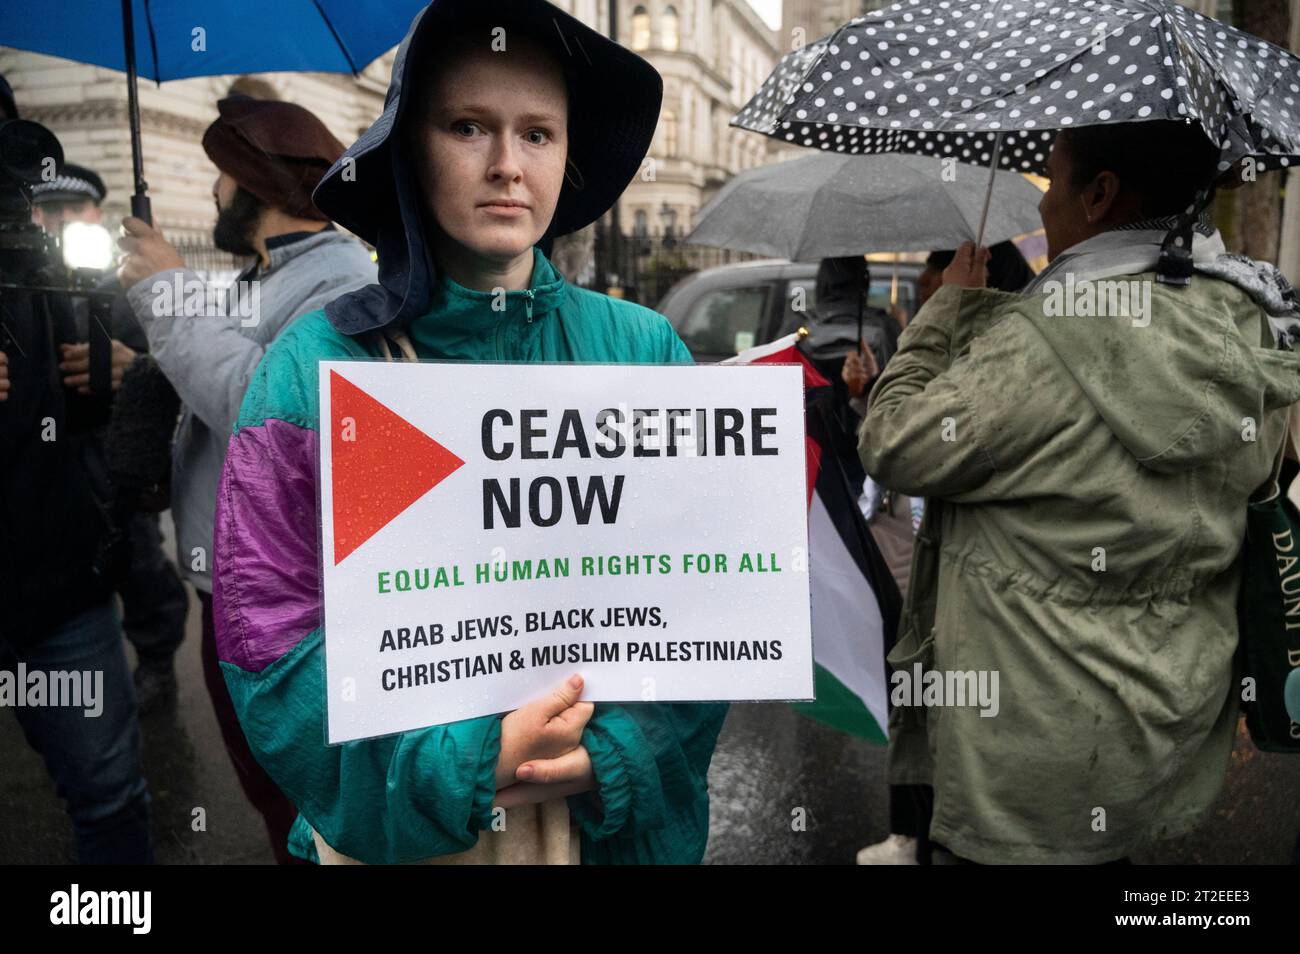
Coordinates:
[528,304]
[500,339]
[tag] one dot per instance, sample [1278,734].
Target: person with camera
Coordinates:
[154,604]
[63,667]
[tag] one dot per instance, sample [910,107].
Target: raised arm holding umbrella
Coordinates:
[1087,469]
[185,38]
[834,205]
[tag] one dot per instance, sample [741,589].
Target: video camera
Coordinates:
[41,274]
[46,283]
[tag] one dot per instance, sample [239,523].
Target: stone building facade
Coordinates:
[713,55]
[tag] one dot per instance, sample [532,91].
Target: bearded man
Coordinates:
[270,156]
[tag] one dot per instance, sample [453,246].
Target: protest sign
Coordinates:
[490,529]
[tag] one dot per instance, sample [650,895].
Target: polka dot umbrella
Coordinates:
[993,81]
[945,77]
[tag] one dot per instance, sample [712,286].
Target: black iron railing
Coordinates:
[644,267]
[639,268]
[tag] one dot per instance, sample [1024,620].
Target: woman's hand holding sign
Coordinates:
[554,778]
[541,749]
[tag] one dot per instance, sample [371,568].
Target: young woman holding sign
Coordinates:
[505,125]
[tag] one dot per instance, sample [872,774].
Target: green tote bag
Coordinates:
[1268,613]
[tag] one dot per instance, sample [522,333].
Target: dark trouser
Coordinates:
[153,598]
[276,810]
[93,760]
[910,810]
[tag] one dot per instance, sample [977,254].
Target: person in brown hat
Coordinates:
[270,156]
[154,603]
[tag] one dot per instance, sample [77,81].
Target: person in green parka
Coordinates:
[505,125]
[1087,449]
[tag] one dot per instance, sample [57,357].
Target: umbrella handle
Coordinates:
[993,163]
[141,208]
[858,344]
[988,192]
[139,201]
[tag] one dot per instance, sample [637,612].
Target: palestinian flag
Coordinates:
[855,602]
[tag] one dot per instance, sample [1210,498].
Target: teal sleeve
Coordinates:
[651,763]
[397,798]
[389,800]
[678,353]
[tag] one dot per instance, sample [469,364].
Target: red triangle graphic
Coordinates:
[386,465]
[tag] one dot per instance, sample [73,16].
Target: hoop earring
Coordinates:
[571,172]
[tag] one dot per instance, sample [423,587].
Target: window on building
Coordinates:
[719,43]
[670,133]
[671,29]
[640,224]
[688,125]
[640,29]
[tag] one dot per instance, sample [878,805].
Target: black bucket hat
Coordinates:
[614,101]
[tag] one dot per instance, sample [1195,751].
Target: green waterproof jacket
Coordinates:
[424,793]
[1089,479]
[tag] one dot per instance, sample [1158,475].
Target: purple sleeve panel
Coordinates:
[266,584]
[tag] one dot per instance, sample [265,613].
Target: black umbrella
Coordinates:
[992,81]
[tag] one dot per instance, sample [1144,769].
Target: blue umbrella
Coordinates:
[177,39]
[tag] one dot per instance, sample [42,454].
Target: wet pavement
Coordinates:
[770,762]
[785,790]
[185,763]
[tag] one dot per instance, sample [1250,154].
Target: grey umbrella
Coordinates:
[833,204]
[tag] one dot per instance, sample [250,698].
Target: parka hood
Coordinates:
[841,279]
[1180,385]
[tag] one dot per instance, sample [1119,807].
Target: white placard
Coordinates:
[490,529]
